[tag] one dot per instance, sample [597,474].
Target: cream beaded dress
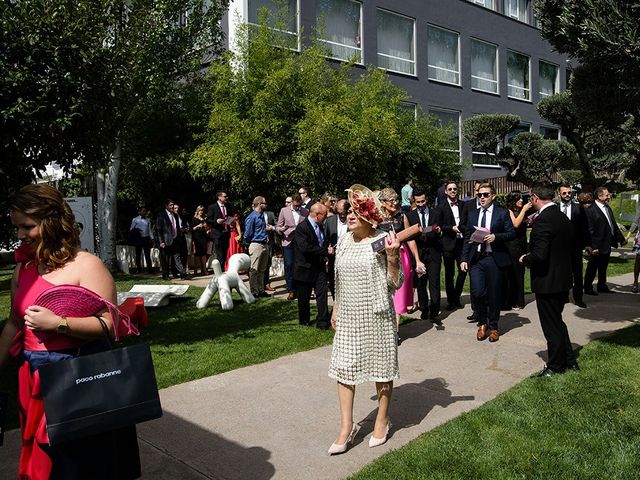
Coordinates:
[365,346]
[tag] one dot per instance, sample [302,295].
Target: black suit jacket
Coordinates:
[449,237]
[214,212]
[550,244]
[309,256]
[501,227]
[427,243]
[331,230]
[469,206]
[164,228]
[600,235]
[580,224]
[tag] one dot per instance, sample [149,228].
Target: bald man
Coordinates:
[310,267]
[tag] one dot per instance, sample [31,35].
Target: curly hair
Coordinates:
[59,234]
[512,199]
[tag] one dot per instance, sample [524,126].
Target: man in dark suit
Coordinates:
[469,206]
[430,252]
[576,213]
[335,227]
[603,234]
[217,214]
[270,219]
[310,270]
[487,259]
[450,217]
[168,235]
[307,201]
[551,245]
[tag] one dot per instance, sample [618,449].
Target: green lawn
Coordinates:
[580,425]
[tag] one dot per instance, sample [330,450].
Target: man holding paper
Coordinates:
[485,256]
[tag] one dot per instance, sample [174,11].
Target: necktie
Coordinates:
[173,225]
[609,217]
[565,208]
[454,203]
[422,218]
[483,224]
[319,234]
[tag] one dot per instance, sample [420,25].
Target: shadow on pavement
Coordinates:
[411,403]
[616,307]
[196,453]
[511,321]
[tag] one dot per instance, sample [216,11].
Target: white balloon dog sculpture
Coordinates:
[224,282]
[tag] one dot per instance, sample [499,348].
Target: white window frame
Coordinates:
[528,90]
[292,34]
[431,25]
[557,82]
[459,113]
[360,49]
[507,10]
[413,44]
[483,165]
[483,3]
[497,80]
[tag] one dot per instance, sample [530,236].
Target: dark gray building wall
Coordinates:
[469,21]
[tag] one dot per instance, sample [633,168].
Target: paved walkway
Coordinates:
[277,420]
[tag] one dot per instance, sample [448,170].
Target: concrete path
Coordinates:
[276,420]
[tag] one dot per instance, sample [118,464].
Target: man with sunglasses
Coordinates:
[450,216]
[549,259]
[486,260]
[218,214]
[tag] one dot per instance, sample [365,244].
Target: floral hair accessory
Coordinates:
[365,204]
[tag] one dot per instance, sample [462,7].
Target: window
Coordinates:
[339,22]
[516,9]
[449,119]
[550,133]
[484,159]
[396,42]
[518,76]
[443,55]
[523,127]
[484,66]
[411,109]
[485,3]
[286,9]
[547,78]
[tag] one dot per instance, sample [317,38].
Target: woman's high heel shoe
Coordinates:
[376,442]
[336,448]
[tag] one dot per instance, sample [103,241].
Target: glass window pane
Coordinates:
[518,76]
[523,127]
[485,3]
[479,158]
[395,42]
[286,8]
[547,78]
[443,55]
[484,71]
[516,9]
[446,119]
[340,27]
[550,133]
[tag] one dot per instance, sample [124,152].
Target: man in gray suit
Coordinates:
[168,235]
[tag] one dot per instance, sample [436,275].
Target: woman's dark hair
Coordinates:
[59,236]
[512,198]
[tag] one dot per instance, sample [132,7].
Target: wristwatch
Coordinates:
[63,326]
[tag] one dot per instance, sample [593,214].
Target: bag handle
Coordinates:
[105,330]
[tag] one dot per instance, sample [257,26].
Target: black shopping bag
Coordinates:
[100,392]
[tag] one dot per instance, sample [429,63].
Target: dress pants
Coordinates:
[304,301]
[514,276]
[597,263]
[221,246]
[486,283]
[289,254]
[453,286]
[170,259]
[433,262]
[259,255]
[576,267]
[144,245]
[550,306]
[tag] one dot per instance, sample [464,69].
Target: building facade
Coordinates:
[455,58]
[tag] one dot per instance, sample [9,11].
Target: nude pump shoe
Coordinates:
[336,448]
[376,442]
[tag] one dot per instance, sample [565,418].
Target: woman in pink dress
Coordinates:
[50,255]
[235,240]
[397,221]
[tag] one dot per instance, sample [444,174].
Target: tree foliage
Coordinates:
[280,119]
[487,132]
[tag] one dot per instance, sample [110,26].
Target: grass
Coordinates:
[582,425]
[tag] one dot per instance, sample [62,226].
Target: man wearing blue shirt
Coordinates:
[256,236]
[142,239]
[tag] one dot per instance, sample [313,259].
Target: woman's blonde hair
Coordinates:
[59,234]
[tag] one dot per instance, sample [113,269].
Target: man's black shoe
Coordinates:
[263,295]
[605,290]
[424,315]
[451,307]
[323,326]
[165,277]
[472,317]
[591,292]
[581,304]
[547,372]
[575,367]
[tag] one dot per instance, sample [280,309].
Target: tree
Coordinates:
[73,76]
[603,36]
[280,119]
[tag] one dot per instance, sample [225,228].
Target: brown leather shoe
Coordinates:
[482,333]
[494,336]
[269,289]
[291,296]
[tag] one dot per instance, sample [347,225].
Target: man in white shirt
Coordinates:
[452,228]
[405,195]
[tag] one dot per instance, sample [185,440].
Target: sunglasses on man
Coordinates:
[484,194]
